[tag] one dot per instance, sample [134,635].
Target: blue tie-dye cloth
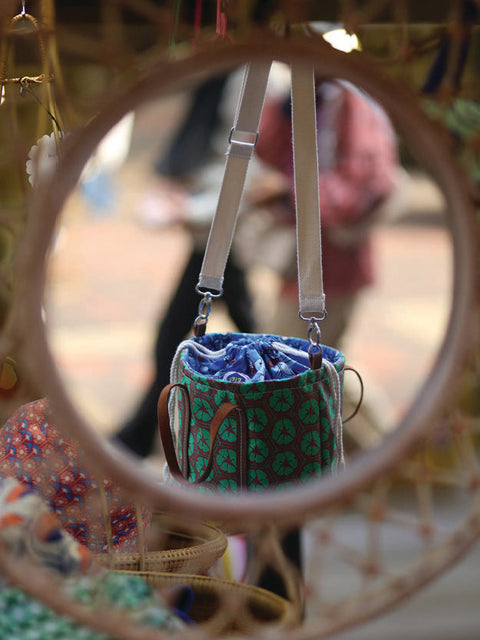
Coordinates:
[240,357]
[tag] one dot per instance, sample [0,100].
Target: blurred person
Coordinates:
[358,169]
[189,177]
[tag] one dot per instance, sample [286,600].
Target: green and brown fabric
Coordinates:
[256,435]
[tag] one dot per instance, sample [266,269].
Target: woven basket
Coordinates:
[192,548]
[226,606]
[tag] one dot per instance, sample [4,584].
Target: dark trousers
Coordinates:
[138,434]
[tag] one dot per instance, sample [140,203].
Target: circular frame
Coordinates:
[425,140]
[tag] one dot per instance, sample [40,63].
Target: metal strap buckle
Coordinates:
[314,318]
[243,144]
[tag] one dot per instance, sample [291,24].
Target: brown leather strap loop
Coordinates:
[168,444]
[200,327]
[185,433]
[362,389]
[315,359]
[166,436]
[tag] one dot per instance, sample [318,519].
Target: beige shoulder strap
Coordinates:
[242,143]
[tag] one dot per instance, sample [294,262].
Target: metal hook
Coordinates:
[315,347]
[314,334]
[204,308]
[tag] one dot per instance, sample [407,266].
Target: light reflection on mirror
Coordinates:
[124,242]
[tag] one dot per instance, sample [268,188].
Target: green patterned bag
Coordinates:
[259,429]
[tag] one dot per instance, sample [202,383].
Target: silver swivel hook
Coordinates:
[204,308]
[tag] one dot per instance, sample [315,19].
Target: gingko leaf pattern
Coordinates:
[227,484]
[203,439]
[309,411]
[283,431]
[227,460]
[186,383]
[282,400]
[200,466]
[285,463]
[257,419]
[311,443]
[223,396]
[257,451]
[257,480]
[228,430]
[253,391]
[202,410]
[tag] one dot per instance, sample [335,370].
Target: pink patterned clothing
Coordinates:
[30,531]
[35,453]
[358,162]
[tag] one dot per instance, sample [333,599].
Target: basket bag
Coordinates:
[258,411]
[177,547]
[227,607]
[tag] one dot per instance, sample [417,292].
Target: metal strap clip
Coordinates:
[314,336]
[204,308]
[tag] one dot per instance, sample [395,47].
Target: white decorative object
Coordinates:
[42,159]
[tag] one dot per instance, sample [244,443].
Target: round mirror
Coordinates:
[123,242]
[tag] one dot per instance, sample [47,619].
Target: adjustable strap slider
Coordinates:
[241,143]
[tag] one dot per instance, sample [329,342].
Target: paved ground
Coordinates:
[445,609]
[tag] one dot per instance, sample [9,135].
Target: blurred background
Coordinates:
[113,274]
[120,246]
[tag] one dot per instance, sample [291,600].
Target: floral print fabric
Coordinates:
[39,456]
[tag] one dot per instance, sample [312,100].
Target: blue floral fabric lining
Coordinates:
[240,357]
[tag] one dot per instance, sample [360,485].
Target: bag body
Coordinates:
[253,414]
